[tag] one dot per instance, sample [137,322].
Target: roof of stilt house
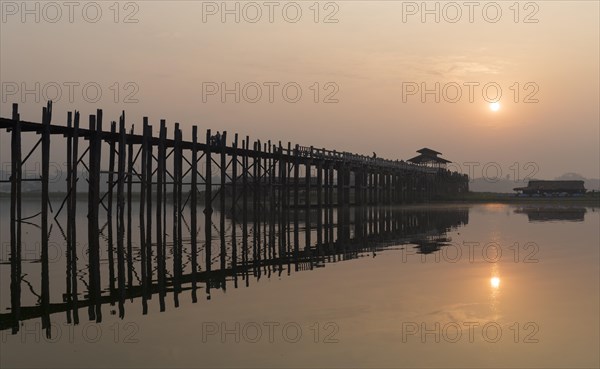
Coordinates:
[428,156]
[427,151]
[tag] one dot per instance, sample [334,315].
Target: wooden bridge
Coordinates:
[259,184]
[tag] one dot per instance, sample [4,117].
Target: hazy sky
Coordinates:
[366,55]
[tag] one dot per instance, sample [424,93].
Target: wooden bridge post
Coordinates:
[109,210]
[417,187]
[222,190]
[15,219]
[346,206]
[340,201]
[283,197]
[399,187]
[340,186]
[47,117]
[414,193]
[374,189]
[91,227]
[372,192]
[194,212]
[383,187]
[369,200]
[120,215]
[358,201]
[98,286]
[245,169]
[270,174]
[149,178]
[394,187]
[177,203]
[366,201]
[94,156]
[160,187]
[378,200]
[331,209]
[73,215]
[274,179]
[384,202]
[68,239]
[307,189]
[234,203]
[288,167]
[296,204]
[262,245]
[326,202]
[388,187]
[380,186]
[208,210]
[320,206]
[143,241]
[180,205]
[130,171]
[405,187]
[175,210]
[421,186]
[166,175]
[255,195]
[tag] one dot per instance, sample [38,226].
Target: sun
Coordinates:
[495,282]
[495,106]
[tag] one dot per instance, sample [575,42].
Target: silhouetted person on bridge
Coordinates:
[216,139]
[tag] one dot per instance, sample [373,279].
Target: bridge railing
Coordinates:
[324,154]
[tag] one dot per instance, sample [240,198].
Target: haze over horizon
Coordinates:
[366,55]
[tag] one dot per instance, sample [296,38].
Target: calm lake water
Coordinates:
[486,285]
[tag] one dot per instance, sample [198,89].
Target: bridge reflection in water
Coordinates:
[260,247]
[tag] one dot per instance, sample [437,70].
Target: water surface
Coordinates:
[487,285]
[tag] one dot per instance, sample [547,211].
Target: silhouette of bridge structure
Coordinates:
[263,187]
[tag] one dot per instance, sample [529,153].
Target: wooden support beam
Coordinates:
[144,241]
[222,193]
[177,209]
[296,204]
[148,243]
[73,178]
[109,208]
[15,220]
[234,200]
[193,213]
[45,297]
[245,169]
[130,171]
[121,218]
[160,233]
[208,210]
[255,210]
[307,202]
[272,199]
[319,184]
